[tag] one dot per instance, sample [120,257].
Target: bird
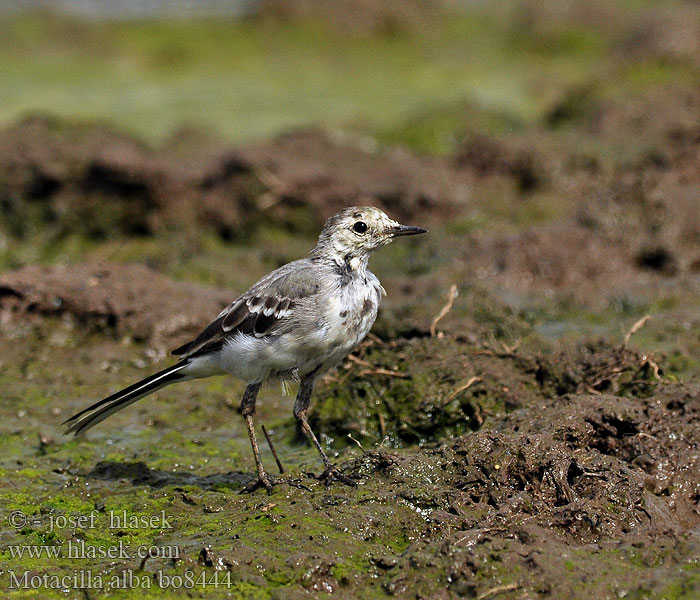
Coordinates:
[294,325]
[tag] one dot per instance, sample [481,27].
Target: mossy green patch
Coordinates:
[209,72]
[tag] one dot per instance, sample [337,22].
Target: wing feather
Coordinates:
[264,310]
[236,314]
[258,315]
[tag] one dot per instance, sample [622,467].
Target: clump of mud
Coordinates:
[115,299]
[543,496]
[485,156]
[335,171]
[628,221]
[418,390]
[88,179]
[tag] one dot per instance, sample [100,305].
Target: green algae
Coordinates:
[296,540]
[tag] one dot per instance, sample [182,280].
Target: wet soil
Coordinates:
[481,471]
[524,421]
[118,300]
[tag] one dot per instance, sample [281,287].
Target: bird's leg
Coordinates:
[301,407]
[248,410]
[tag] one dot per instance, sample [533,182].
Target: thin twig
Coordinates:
[478,417]
[461,388]
[592,474]
[654,366]
[380,371]
[635,328]
[356,441]
[272,181]
[454,292]
[272,448]
[372,370]
[510,349]
[498,590]
[359,361]
[382,424]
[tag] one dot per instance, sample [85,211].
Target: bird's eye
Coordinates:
[360,227]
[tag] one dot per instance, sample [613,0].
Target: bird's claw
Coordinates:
[268,482]
[333,474]
[265,481]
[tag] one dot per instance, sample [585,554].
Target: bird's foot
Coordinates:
[268,482]
[333,474]
[263,481]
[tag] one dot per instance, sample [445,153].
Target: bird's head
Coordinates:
[351,235]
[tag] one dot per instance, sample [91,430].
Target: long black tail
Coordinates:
[99,411]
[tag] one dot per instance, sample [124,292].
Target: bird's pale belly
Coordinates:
[350,317]
[345,322]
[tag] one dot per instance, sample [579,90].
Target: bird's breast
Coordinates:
[351,312]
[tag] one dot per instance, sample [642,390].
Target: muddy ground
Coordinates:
[524,421]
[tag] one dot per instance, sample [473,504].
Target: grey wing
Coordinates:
[266,309]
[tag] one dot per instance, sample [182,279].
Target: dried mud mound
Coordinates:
[72,178]
[418,390]
[560,494]
[628,224]
[123,299]
[336,171]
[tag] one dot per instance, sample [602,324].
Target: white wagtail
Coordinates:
[295,323]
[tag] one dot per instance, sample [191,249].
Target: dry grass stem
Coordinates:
[635,328]
[371,370]
[461,388]
[356,441]
[454,292]
[498,590]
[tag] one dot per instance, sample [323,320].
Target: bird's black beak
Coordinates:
[407,230]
